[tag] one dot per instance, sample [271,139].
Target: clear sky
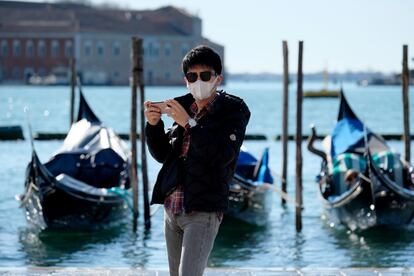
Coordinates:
[339,35]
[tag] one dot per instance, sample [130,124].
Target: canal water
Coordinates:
[320,244]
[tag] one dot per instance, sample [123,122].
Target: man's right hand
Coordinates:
[152,113]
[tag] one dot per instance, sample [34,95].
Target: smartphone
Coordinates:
[161,105]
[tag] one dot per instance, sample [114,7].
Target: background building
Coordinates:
[40,38]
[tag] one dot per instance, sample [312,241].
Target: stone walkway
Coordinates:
[209,272]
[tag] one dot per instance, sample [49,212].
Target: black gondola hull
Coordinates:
[394,204]
[355,209]
[250,189]
[47,211]
[50,203]
[394,211]
[250,204]
[384,195]
[80,212]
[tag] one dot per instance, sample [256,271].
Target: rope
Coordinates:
[156,210]
[28,194]
[269,186]
[288,199]
[278,175]
[123,194]
[126,196]
[284,195]
[364,178]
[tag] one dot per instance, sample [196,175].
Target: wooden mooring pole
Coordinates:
[405,88]
[285,117]
[133,133]
[144,169]
[299,100]
[72,64]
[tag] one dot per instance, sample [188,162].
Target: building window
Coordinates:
[167,76]
[149,49]
[68,49]
[88,48]
[184,49]
[4,48]
[16,48]
[116,49]
[116,75]
[167,49]
[156,50]
[150,77]
[29,49]
[16,73]
[100,48]
[152,50]
[55,48]
[41,48]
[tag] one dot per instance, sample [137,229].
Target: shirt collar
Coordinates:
[207,108]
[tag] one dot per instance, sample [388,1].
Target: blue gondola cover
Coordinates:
[348,133]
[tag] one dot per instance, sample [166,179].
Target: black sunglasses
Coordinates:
[204,76]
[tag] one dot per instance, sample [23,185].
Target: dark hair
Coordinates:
[202,55]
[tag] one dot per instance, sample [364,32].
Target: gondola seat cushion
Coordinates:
[341,165]
[391,164]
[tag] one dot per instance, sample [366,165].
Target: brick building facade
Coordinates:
[22,57]
[40,38]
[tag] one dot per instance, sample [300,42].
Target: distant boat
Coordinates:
[85,184]
[324,92]
[14,132]
[61,76]
[58,76]
[251,189]
[362,182]
[387,80]
[321,94]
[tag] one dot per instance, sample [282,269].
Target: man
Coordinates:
[199,155]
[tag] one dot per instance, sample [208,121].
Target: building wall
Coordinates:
[162,57]
[101,58]
[163,65]
[101,43]
[22,55]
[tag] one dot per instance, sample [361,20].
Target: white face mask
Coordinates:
[202,89]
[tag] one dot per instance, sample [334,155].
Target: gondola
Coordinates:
[363,183]
[250,198]
[85,184]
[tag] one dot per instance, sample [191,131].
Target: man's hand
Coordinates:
[177,112]
[152,113]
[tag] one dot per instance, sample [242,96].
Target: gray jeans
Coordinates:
[190,238]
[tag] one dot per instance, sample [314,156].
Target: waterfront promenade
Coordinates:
[208,272]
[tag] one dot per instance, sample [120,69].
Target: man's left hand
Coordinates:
[177,112]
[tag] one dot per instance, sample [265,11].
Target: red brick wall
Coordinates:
[46,64]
